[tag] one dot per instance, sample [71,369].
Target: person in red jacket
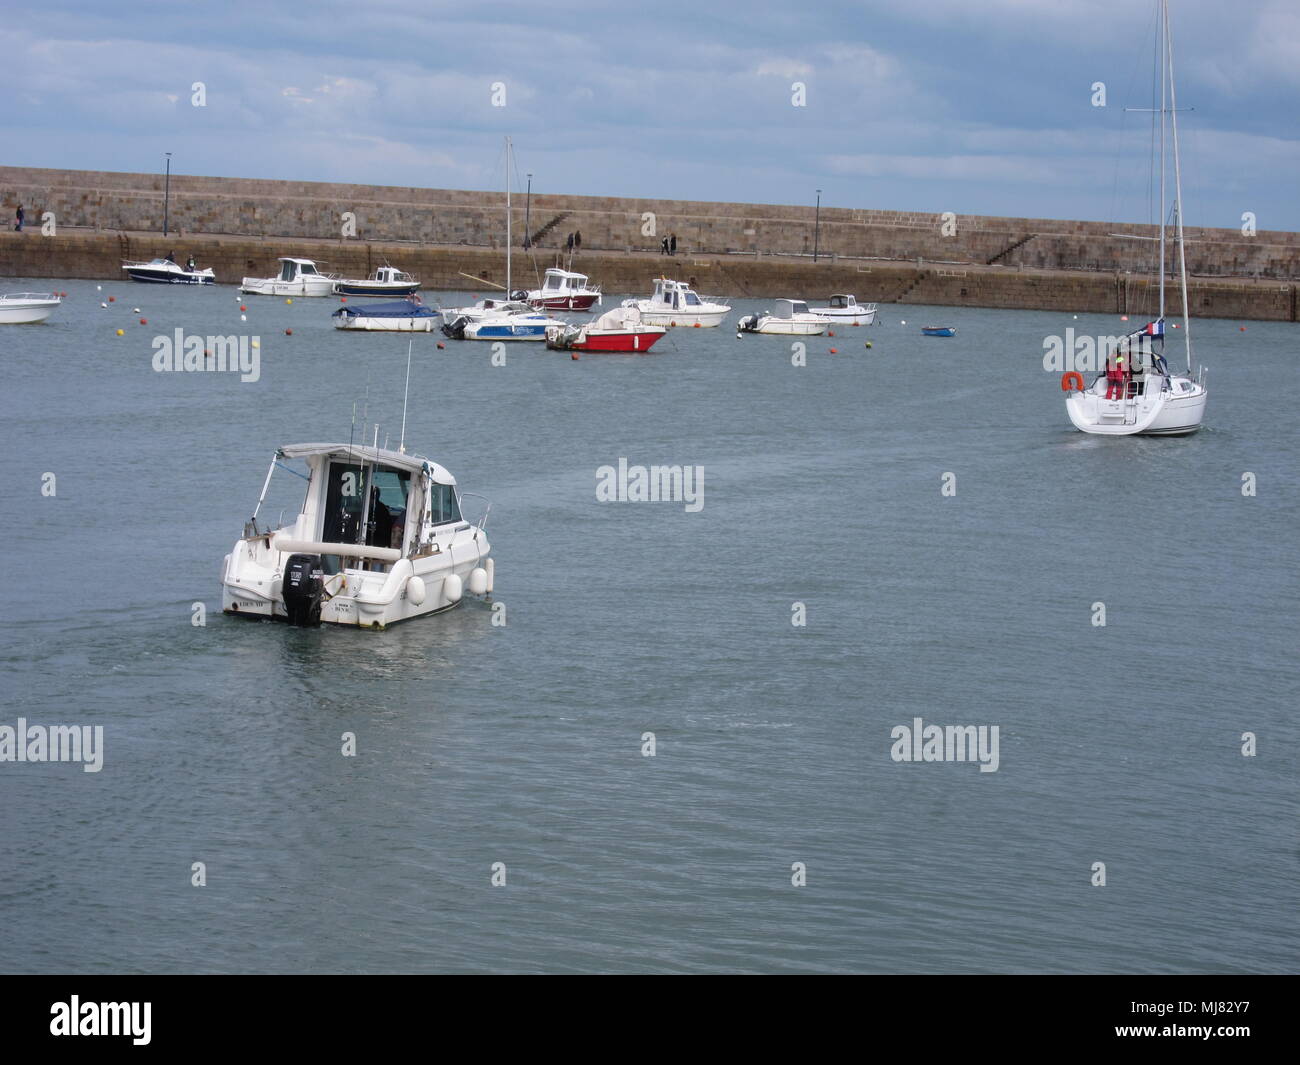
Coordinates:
[1115,378]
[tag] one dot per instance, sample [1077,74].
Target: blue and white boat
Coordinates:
[395,316]
[385,281]
[509,320]
[939,330]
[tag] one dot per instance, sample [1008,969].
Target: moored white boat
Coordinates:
[385,281]
[562,290]
[25,308]
[400,316]
[380,538]
[675,303]
[297,277]
[167,272]
[791,318]
[844,309]
[618,329]
[505,321]
[1137,394]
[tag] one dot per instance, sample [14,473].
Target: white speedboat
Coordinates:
[380,538]
[562,290]
[166,272]
[791,318]
[385,281]
[508,320]
[297,277]
[676,303]
[396,316]
[844,309]
[1137,393]
[23,308]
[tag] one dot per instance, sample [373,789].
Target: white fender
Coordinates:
[415,590]
[452,588]
[478,580]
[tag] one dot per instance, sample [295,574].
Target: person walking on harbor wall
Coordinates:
[663,246]
[672,244]
[577,239]
[19,216]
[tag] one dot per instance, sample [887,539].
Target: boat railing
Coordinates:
[30,296]
[481,524]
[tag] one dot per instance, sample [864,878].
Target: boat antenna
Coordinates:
[508,230]
[1178,189]
[402,446]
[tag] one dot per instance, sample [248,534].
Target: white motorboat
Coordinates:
[380,538]
[844,309]
[400,316]
[24,308]
[297,277]
[791,318]
[1136,393]
[385,281]
[675,303]
[167,272]
[562,290]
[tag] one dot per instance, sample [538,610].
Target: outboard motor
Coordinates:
[455,329]
[748,323]
[519,294]
[303,589]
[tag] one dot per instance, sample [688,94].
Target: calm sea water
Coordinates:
[522,744]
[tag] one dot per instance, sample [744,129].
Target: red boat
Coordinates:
[620,329]
[563,290]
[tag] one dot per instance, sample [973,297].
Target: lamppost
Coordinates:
[528,214]
[817,225]
[167,191]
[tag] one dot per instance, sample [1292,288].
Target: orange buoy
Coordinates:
[1123,317]
[343,299]
[144,321]
[242,307]
[835,351]
[1243,328]
[441,345]
[573,355]
[1071,379]
[830,333]
[288,332]
[697,325]
[112,299]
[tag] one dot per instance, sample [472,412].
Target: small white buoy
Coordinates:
[903,322]
[478,580]
[1076,317]
[737,334]
[135,310]
[453,589]
[102,303]
[99,288]
[415,590]
[243,317]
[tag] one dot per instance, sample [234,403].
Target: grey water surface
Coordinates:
[522,744]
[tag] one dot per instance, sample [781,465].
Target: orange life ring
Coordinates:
[1071,379]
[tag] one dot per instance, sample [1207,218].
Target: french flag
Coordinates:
[1155,329]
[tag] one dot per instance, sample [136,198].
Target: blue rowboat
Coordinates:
[939,330]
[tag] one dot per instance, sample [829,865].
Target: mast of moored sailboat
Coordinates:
[1178,187]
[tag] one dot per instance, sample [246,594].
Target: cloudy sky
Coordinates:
[972,106]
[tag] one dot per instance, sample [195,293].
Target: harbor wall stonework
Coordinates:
[240,225]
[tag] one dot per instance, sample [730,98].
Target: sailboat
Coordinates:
[1137,393]
[500,319]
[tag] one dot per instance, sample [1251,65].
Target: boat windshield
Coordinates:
[692,300]
[308,268]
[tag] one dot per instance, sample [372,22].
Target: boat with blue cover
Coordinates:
[395,316]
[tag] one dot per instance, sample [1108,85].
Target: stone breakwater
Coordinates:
[238,226]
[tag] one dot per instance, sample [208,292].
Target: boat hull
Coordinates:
[946,331]
[148,277]
[376,288]
[565,303]
[839,317]
[1167,415]
[389,325]
[27,312]
[686,319]
[270,287]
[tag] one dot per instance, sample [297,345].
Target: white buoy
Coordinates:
[415,590]
[102,303]
[903,322]
[99,288]
[478,581]
[243,317]
[453,589]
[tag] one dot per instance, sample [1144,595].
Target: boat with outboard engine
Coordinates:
[381,537]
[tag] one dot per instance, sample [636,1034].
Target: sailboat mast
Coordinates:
[1164,84]
[508,235]
[1178,189]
